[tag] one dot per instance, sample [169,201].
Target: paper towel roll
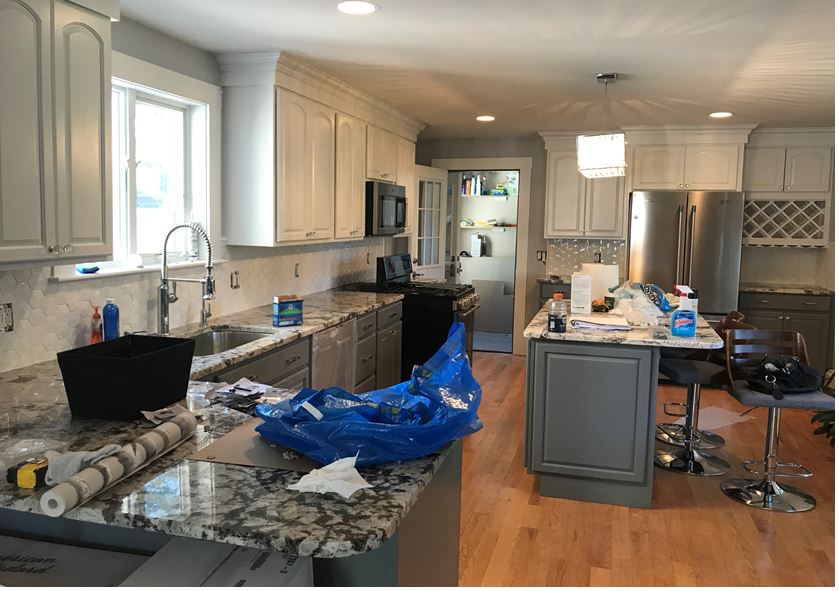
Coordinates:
[602,278]
[111,467]
[153,442]
[170,431]
[59,499]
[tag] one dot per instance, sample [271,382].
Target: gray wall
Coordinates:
[150,45]
[530,146]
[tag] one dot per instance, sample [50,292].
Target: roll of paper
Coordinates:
[110,470]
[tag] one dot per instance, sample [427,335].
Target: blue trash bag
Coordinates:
[439,404]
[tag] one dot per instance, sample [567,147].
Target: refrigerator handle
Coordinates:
[691,223]
[679,245]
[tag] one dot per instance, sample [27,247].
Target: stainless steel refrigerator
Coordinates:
[694,239]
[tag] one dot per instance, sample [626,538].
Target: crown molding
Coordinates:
[289,72]
[784,137]
[737,133]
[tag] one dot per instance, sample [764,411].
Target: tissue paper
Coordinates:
[339,477]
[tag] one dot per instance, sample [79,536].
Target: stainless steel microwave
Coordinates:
[386,208]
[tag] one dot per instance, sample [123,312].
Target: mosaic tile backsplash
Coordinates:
[567,256]
[51,317]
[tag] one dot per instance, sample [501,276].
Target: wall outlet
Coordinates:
[7,318]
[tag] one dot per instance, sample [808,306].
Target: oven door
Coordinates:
[392,212]
[467,317]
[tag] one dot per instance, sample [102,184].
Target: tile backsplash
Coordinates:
[51,317]
[567,256]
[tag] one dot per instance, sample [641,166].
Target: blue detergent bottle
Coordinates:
[683,320]
[110,320]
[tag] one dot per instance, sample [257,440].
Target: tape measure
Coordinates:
[29,474]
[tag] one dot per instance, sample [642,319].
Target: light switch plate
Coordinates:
[7,318]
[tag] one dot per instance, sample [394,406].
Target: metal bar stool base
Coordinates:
[768,494]
[673,434]
[693,462]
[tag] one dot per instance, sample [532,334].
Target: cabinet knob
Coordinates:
[681,186]
[782,187]
[780,317]
[788,187]
[686,186]
[52,249]
[787,318]
[67,248]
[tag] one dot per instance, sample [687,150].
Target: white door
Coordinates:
[431,230]
[27,215]
[319,198]
[808,170]
[566,196]
[82,50]
[350,170]
[292,170]
[605,201]
[658,167]
[712,167]
[763,169]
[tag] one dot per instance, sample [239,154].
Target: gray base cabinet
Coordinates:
[389,355]
[591,420]
[809,315]
[286,367]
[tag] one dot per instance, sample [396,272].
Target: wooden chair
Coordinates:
[745,350]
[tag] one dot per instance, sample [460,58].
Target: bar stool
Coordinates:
[746,349]
[690,459]
[673,433]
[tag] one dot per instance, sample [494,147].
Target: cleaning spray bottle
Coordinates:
[96,326]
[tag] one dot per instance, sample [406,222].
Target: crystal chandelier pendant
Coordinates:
[604,155]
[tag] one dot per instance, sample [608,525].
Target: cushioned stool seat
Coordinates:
[808,400]
[689,371]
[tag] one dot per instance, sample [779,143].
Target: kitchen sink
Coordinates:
[219,340]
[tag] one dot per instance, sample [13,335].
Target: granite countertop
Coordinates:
[786,289]
[320,311]
[233,504]
[705,337]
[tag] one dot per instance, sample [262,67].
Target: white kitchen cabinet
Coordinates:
[406,175]
[381,154]
[793,169]
[713,167]
[693,167]
[763,169]
[808,170]
[658,167]
[83,131]
[306,166]
[565,203]
[605,199]
[350,171]
[55,187]
[578,207]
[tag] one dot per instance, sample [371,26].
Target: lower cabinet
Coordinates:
[810,316]
[367,385]
[294,382]
[286,365]
[389,355]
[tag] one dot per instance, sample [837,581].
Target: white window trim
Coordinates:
[154,80]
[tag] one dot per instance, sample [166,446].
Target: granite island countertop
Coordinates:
[233,504]
[706,337]
[786,289]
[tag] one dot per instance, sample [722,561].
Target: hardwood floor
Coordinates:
[693,535]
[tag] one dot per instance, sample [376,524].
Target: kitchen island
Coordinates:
[590,408]
[380,536]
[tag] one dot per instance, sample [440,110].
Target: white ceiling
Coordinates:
[531,63]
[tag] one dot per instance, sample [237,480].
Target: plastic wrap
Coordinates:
[439,404]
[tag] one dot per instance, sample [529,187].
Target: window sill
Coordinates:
[68,274]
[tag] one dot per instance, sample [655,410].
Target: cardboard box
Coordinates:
[288,311]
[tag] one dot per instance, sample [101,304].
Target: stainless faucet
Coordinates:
[208,284]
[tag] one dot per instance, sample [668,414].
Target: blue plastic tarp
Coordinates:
[438,405]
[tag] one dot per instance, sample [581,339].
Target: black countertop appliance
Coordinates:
[428,311]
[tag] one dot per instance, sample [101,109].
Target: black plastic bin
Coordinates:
[117,379]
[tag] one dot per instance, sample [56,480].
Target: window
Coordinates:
[428,239]
[154,136]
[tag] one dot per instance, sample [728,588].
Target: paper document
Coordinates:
[580,294]
[600,322]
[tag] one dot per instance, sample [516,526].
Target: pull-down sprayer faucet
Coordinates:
[208,284]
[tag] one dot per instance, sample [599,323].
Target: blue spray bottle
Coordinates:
[110,320]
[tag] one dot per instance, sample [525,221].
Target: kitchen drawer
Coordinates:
[367,385]
[294,382]
[365,358]
[271,367]
[785,301]
[365,326]
[389,314]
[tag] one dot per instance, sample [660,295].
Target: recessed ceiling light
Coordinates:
[485,118]
[720,115]
[357,7]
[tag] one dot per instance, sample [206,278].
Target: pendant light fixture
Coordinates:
[602,155]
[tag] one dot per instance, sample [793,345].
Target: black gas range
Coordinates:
[428,311]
